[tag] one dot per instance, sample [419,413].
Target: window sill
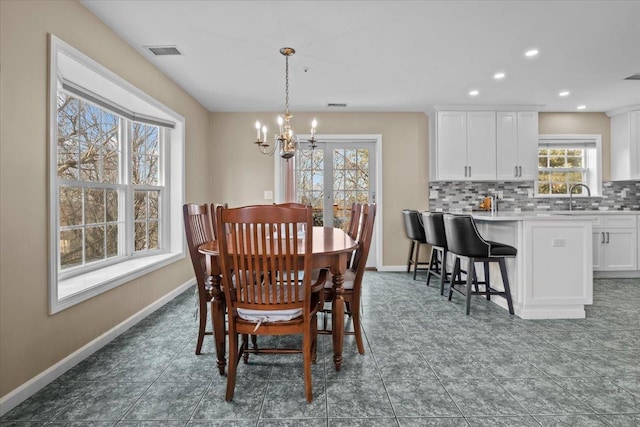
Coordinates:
[80,288]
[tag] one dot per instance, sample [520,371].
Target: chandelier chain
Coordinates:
[286,72]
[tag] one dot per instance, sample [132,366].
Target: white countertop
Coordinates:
[545,215]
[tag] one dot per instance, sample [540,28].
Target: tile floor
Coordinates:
[426,364]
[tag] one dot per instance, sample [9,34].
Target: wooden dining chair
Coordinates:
[354,221]
[199,229]
[352,286]
[272,293]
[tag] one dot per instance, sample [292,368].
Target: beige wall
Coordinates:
[241,174]
[585,123]
[31,340]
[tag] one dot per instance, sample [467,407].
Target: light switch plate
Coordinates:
[268,195]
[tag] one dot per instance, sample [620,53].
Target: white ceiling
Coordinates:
[389,55]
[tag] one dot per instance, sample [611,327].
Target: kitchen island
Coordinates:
[552,275]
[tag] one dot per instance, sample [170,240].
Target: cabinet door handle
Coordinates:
[469,171]
[520,168]
[602,237]
[515,171]
[607,237]
[465,171]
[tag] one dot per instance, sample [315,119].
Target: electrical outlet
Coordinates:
[433,194]
[530,193]
[268,195]
[500,194]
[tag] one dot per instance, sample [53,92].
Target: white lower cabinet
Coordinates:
[615,243]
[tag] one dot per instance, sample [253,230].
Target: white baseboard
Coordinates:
[616,274]
[28,389]
[394,268]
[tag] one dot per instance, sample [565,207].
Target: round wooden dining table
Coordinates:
[332,248]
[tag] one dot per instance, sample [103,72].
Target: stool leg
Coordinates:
[454,275]
[413,242]
[443,271]
[487,286]
[471,273]
[432,263]
[505,281]
[416,260]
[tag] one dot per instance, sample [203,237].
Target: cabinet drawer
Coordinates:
[618,221]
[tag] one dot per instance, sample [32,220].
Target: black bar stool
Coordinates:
[415,232]
[463,240]
[434,232]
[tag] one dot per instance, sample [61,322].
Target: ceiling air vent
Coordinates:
[163,50]
[336,104]
[635,76]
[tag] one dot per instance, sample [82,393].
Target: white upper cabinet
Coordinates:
[625,145]
[466,149]
[486,146]
[517,145]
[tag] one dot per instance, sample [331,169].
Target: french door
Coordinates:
[332,177]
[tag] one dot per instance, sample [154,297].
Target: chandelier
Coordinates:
[285,139]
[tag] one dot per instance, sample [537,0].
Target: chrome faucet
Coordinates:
[571,193]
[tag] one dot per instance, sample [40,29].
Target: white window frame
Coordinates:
[65,290]
[593,160]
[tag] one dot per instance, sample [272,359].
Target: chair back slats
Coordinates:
[355,220]
[368,215]
[198,229]
[268,257]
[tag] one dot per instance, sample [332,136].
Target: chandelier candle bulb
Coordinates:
[264,133]
[258,130]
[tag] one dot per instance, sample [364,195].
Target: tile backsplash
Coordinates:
[466,196]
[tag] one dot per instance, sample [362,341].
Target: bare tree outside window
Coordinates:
[92,190]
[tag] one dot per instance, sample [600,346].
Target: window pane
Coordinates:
[70,248]
[138,138]
[575,177]
[544,188]
[94,206]
[542,161]
[558,188]
[112,205]
[90,122]
[70,206]
[152,142]
[140,205]
[89,158]
[574,162]
[111,165]
[141,236]
[363,159]
[152,170]
[338,159]
[94,243]
[153,235]
[153,204]
[112,240]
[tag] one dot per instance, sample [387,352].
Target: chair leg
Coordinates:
[433,260]
[487,284]
[505,281]
[314,339]
[202,314]
[219,331]
[413,242]
[357,328]
[470,275]
[416,260]
[454,276]
[234,356]
[306,356]
[443,271]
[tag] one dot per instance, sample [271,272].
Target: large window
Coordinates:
[116,178]
[567,160]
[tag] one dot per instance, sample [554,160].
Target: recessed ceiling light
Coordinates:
[581,107]
[531,52]
[474,92]
[499,75]
[564,93]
